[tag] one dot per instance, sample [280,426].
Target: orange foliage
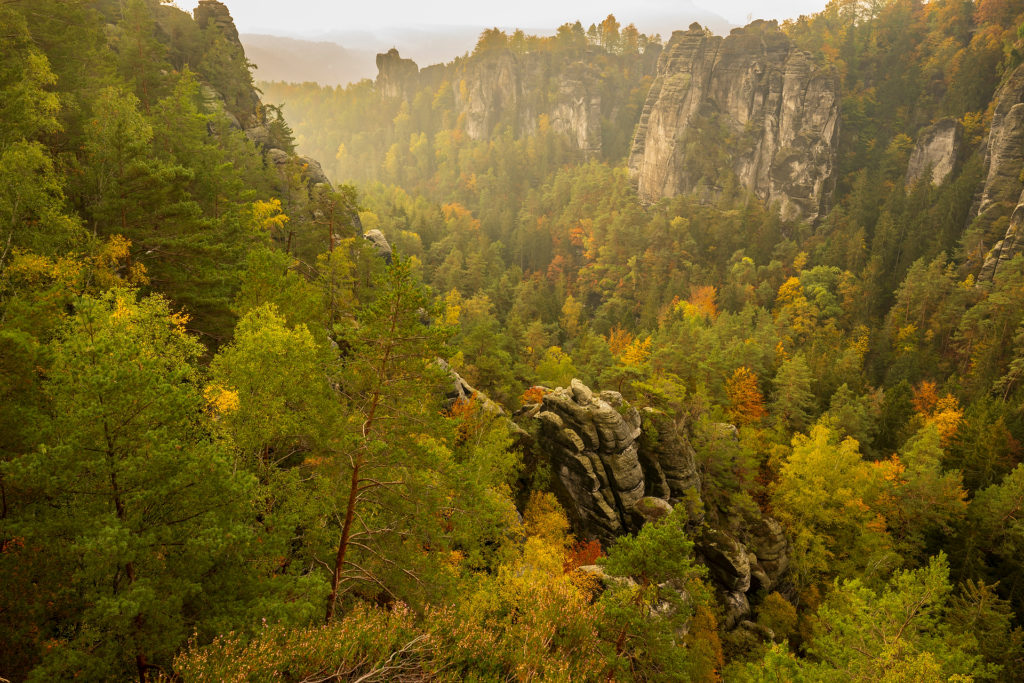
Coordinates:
[581,554]
[703,299]
[925,398]
[945,412]
[467,412]
[745,398]
[532,395]
[618,340]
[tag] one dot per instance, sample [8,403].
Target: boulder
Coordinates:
[380,243]
[726,559]
[313,171]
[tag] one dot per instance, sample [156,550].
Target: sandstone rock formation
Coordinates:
[396,76]
[380,243]
[1003,192]
[215,12]
[577,110]
[593,451]
[758,100]
[936,150]
[616,468]
[499,89]
[1004,152]
[493,93]
[1006,248]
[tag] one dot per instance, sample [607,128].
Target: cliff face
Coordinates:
[1002,195]
[936,150]
[499,89]
[776,115]
[1004,151]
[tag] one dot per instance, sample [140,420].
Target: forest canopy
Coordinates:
[408,380]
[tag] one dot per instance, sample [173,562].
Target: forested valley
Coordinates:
[583,357]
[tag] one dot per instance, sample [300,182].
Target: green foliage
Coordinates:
[129,494]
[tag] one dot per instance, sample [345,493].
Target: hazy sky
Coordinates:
[313,17]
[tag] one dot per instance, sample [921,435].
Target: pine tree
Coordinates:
[142,514]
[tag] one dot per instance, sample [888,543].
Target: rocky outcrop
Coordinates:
[614,474]
[1004,153]
[380,243]
[592,444]
[577,109]
[755,99]
[244,106]
[616,468]
[493,93]
[1001,199]
[668,462]
[396,76]
[1005,249]
[312,171]
[935,152]
[213,12]
[498,89]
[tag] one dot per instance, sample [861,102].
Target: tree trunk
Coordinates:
[346,529]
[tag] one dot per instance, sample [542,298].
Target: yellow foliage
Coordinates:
[791,292]
[452,307]
[948,417]
[637,352]
[543,518]
[800,261]
[268,215]
[220,400]
[745,398]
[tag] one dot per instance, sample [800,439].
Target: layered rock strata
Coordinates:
[774,112]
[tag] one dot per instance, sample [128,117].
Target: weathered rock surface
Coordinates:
[593,452]
[462,391]
[499,89]
[775,112]
[1002,196]
[493,94]
[1006,248]
[396,76]
[577,110]
[215,12]
[616,468]
[936,150]
[245,107]
[768,541]
[380,243]
[667,459]
[726,559]
[1004,152]
[313,171]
